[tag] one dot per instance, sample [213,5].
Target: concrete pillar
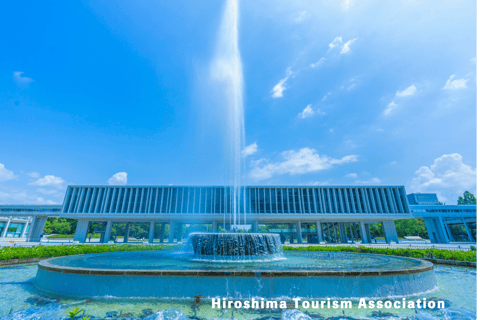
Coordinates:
[363,232]
[81,230]
[369,234]
[299,232]
[343,232]
[255,226]
[449,232]
[171,232]
[290,227]
[24,231]
[151,232]
[214,226]
[335,231]
[390,231]
[108,231]
[4,232]
[318,227]
[127,232]
[470,237]
[179,232]
[351,232]
[162,233]
[36,230]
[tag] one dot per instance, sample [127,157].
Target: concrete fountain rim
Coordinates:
[424,266]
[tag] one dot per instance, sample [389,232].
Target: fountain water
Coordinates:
[226,72]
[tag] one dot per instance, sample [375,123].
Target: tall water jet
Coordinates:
[226,73]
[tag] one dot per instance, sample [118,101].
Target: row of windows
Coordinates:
[29,210]
[271,200]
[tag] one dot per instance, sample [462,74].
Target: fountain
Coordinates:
[212,268]
[235,246]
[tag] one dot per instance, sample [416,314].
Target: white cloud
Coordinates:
[448,176]
[318,63]
[19,79]
[346,46]
[5,174]
[352,175]
[456,84]
[351,86]
[119,178]
[249,150]
[34,174]
[48,181]
[369,182]
[393,163]
[392,105]
[296,162]
[301,17]
[407,92]
[277,91]
[335,43]
[307,112]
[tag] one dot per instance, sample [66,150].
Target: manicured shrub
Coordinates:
[8,253]
[401,252]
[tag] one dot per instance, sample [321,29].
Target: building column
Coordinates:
[127,232]
[318,227]
[343,232]
[351,232]
[299,232]
[432,234]
[335,231]
[470,238]
[81,230]
[171,232]
[214,226]
[179,232]
[369,234]
[255,226]
[4,232]
[363,232]
[24,230]
[36,230]
[162,233]
[442,231]
[151,233]
[290,226]
[108,231]
[390,231]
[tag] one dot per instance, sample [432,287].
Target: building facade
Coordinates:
[311,213]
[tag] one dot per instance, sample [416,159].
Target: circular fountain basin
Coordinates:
[235,246]
[176,275]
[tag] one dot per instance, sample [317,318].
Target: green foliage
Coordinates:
[72,314]
[401,252]
[60,226]
[411,227]
[7,253]
[467,198]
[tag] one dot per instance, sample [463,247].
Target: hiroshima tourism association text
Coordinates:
[261,303]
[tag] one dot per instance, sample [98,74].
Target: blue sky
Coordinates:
[335,93]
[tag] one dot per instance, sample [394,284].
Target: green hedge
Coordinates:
[8,253]
[414,253]
[70,236]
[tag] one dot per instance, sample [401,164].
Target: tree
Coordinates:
[411,227]
[467,198]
